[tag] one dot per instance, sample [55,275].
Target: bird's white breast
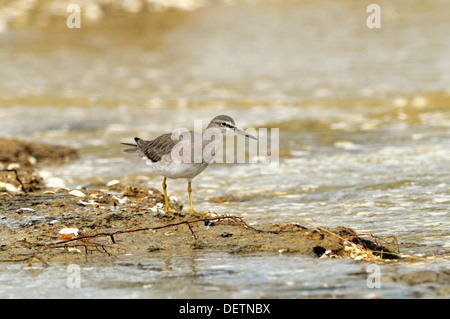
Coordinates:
[173,169]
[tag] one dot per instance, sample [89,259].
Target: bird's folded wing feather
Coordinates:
[157,148]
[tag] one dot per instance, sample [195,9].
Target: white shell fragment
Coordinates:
[120,201]
[90,203]
[25,209]
[113,182]
[158,208]
[13,166]
[77,193]
[69,231]
[55,182]
[11,188]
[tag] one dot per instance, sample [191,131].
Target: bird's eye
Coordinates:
[223,124]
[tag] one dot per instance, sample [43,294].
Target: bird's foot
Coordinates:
[191,210]
[170,210]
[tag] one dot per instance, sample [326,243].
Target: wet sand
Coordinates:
[31,225]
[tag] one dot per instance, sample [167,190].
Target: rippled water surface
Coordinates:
[364,132]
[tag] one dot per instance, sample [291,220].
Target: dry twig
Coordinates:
[85,240]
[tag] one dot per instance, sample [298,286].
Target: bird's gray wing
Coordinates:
[157,148]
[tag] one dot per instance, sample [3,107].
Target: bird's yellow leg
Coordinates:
[191,209]
[167,208]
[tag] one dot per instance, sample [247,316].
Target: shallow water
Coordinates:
[363,118]
[210,275]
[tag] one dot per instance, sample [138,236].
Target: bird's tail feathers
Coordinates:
[130,150]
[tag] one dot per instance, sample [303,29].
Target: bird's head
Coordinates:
[227,126]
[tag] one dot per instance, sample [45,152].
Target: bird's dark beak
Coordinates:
[239,131]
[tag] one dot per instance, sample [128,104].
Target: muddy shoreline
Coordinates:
[30,226]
